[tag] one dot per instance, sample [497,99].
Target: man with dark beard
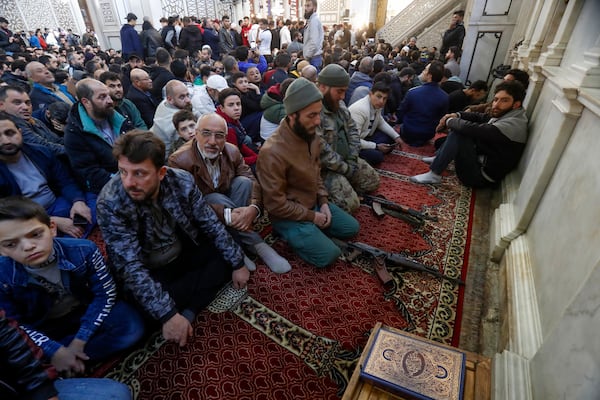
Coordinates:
[289,173]
[123,106]
[484,148]
[344,173]
[313,35]
[34,172]
[92,128]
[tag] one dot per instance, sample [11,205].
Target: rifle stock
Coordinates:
[411,215]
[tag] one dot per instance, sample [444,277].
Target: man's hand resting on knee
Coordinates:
[177,329]
[242,218]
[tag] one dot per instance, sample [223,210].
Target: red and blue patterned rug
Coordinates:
[299,335]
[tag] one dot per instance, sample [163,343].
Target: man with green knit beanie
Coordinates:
[289,172]
[345,174]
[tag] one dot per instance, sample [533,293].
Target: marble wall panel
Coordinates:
[30,15]
[63,14]
[37,14]
[564,232]
[585,34]
[566,366]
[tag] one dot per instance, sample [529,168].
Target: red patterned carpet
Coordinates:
[298,335]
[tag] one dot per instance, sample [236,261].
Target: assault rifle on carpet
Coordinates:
[352,250]
[382,206]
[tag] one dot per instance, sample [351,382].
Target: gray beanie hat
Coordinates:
[334,75]
[300,94]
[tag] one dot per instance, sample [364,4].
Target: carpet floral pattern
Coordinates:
[299,335]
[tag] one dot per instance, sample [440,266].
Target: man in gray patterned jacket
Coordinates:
[163,240]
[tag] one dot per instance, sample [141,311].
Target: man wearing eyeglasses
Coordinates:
[164,241]
[228,184]
[140,95]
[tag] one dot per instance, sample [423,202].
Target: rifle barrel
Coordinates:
[395,259]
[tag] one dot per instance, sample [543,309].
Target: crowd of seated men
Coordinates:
[176,145]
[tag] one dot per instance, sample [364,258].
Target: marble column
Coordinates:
[530,187]
[286,9]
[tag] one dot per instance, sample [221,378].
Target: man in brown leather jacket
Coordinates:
[227,184]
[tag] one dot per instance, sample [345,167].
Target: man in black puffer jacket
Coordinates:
[93,126]
[191,37]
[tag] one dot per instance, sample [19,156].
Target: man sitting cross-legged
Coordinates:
[228,184]
[345,174]
[34,172]
[484,149]
[166,243]
[60,289]
[289,172]
[377,137]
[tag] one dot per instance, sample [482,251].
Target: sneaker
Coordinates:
[428,160]
[426,178]
[249,264]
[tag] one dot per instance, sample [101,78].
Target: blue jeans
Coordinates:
[463,150]
[251,124]
[121,329]
[239,195]
[317,62]
[311,243]
[91,389]
[374,156]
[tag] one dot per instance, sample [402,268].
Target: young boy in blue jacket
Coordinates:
[60,290]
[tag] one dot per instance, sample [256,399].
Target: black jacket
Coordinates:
[169,37]
[160,76]
[15,80]
[453,37]
[151,40]
[89,153]
[191,39]
[144,103]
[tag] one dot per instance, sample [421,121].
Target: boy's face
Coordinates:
[241,84]
[378,99]
[27,242]
[232,106]
[186,129]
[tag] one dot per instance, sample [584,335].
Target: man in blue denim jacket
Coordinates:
[60,290]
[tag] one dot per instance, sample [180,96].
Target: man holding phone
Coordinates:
[35,172]
[377,137]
